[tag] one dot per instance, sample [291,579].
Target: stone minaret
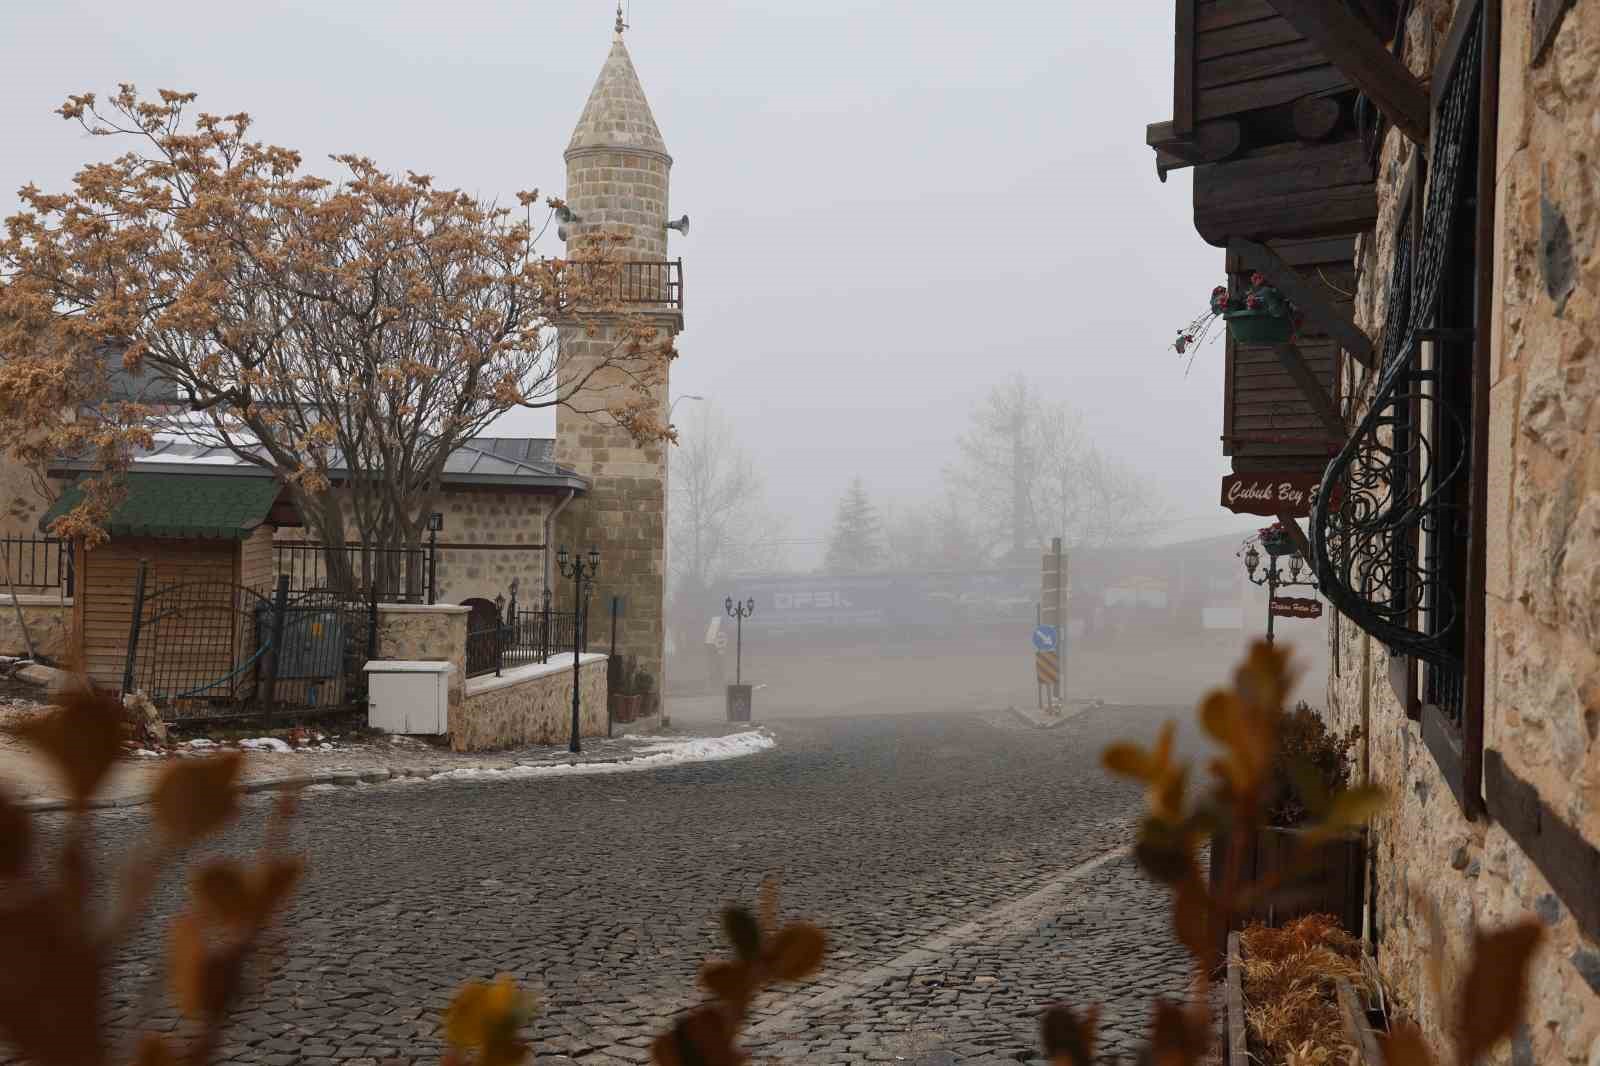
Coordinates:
[617,170]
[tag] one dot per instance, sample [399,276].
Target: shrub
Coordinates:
[1309,764]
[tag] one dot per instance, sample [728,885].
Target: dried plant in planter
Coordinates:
[55,947]
[1289,976]
[1247,721]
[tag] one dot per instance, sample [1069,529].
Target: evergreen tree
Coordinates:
[856,542]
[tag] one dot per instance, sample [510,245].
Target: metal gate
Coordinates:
[209,649]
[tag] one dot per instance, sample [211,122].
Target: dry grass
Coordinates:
[1289,976]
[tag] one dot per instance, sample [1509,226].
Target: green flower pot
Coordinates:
[1258,327]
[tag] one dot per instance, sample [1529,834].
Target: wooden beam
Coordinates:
[1294,364]
[1308,298]
[1357,51]
[1183,32]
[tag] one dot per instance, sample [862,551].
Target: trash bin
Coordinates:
[739,702]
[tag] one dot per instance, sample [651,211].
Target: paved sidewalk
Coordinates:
[269,763]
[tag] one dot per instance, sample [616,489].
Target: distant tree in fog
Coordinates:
[938,535]
[718,521]
[856,542]
[1032,474]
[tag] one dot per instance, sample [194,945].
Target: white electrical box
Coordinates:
[409,696]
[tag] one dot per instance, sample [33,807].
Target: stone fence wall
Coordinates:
[49,619]
[525,705]
[530,705]
[426,632]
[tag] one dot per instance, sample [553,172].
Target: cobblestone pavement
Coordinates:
[967,867]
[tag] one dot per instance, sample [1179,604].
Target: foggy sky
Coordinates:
[895,204]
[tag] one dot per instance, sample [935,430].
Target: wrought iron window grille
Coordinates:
[1395,491]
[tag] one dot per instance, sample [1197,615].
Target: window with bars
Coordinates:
[1397,530]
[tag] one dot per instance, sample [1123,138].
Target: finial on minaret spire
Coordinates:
[620,24]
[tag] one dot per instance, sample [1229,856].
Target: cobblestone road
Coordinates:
[966,868]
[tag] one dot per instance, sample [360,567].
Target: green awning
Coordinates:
[207,506]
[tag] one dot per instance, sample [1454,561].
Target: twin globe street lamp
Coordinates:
[582,576]
[1272,577]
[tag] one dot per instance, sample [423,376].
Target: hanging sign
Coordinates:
[1291,607]
[1271,494]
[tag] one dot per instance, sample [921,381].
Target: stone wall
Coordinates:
[514,522]
[530,705]
[1542,687]
[511,521]
[623,514]
[49,620]
[427,633]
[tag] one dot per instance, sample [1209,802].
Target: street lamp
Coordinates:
[582,576]
[1272,577]
[741,611]
[674,404]
[435,524]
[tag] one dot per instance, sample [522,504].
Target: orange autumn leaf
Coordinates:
[197,797]
[1179,1036]
[796,952]
[704,1037]
[1495,992]
[153,1051]
[16,837]
[81,738]
[1069,1039]
[1403,1046]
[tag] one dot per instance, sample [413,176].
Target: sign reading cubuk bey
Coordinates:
[1269,494]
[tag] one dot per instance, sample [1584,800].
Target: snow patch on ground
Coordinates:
[652,757]
[265,744]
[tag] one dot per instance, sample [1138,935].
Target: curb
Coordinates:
[336,778]
[1070,713]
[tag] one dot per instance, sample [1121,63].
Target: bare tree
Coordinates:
[1032,473]
[933,535]
[718,521]
[346,336]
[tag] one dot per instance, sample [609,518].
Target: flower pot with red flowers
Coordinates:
[1275,540]
[1261,315]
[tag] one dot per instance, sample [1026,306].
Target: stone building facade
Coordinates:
[1541,587]
[1541,681]
[617,182]
[1445,150]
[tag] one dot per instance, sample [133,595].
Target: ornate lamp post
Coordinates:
[435,523]
[741,611]
[1272,577]
[739,692]
[582,576]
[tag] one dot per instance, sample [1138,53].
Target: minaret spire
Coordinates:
[620,24]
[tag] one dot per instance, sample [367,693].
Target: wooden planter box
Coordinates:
[1336,888]
[1361,1025]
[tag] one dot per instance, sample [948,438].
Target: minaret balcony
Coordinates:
[634,285]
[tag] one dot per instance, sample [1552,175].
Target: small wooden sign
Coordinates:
[1291,607]
[1271,494]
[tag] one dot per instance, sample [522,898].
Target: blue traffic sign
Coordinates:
[1044,638]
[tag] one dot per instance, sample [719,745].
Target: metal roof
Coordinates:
[484,462]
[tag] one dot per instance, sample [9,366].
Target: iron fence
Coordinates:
[37,564]
[525,636]
[634,282]
[395,575]
[209,650]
